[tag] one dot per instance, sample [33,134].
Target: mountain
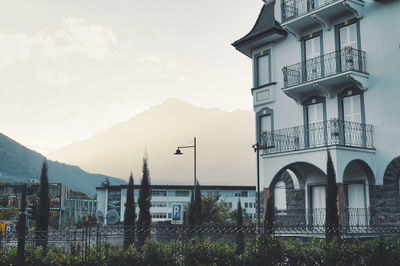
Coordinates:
[18,163]
[224,139]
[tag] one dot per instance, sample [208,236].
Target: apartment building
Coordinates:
[326,75]
[164,196]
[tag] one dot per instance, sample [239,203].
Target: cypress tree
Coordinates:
[239,235]
[144,221]
[269,216]
[197,203]
[42,222]
[331,218]
[129,216]
[192,211]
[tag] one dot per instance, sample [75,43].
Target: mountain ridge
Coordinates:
[19,163]
[161,128]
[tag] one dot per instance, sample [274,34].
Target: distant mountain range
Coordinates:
[18,163]
[224,139]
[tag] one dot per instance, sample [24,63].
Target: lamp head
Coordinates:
[178,152]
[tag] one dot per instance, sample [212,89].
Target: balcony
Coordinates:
[298,15]
[333,132]
[323,74]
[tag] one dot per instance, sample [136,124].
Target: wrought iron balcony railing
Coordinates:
[296,8]
[353,217]
[347,59]
[321,134]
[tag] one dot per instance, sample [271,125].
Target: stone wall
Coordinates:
[385,199]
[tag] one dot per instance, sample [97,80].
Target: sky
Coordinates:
[72,68]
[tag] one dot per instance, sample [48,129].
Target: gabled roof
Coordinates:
[266,29]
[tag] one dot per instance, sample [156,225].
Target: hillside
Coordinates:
[224,139]
[18,163]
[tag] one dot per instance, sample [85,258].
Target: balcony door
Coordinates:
[348,46]
[266,130]
[354,133]
[315,126]
[357,210]
[312,56]
[318,205]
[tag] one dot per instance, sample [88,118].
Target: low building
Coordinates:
[163,196]
[67,207]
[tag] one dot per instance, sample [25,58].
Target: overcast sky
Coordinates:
[70,68]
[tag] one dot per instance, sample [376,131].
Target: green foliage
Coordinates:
[129,216]
[234,214]
[214,212]
[269,216]
[144,202]
[332,218]
[86,221]
[195,216]
[239,223]
[198,251]
[54,220]
[42,221]
[9,214]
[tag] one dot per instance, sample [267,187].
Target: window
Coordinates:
[314,115]
[246,205]
[311,52]
[347,36]
[159,193]
[280,195]
[158,215]
[158,204]
[262,68]
[264,119]
[351,111]
[237,194]
[251,204]
[229,204]
[243,194]
[180,193]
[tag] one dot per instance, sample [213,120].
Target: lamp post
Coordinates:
[178,152]
[256,148]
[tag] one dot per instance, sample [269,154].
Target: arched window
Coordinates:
[280,196]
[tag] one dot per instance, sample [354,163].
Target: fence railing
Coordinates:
[315,218]
[295,8]
[320,134]
[346,59]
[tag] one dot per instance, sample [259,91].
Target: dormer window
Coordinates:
[262,68]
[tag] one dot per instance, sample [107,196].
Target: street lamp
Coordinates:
[178,152]
[256,148]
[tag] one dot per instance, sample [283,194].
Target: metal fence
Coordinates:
[320,134]
[83,243]
[346,59]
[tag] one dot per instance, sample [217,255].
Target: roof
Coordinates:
[266,29]
[206,187]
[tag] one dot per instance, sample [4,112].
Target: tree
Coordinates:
[129,216]
[106,183]
[9,214]
[239,235]
[42,222]
[86,221]
[197,205]
[144,199]
[191,212]
[331,218]
[214,211]
[269,216]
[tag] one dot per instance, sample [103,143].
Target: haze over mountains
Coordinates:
[224,139]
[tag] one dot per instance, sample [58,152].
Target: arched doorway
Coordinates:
[357,179]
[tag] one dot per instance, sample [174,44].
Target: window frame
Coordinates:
[263,112]
[256,57]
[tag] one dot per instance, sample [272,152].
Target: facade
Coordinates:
[326,77]
[163,196]
[62,202]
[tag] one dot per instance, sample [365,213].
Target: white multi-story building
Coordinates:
[163,196]
[327,76]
